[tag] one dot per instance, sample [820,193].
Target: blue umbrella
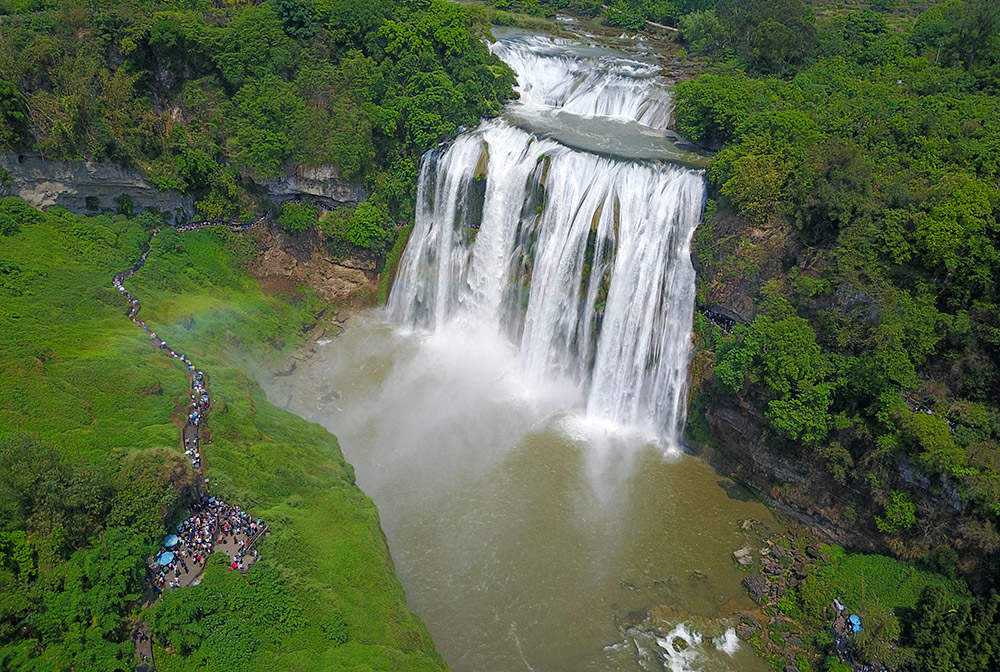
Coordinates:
[165,558]
[171,540]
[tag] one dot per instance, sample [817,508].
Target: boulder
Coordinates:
[757,586]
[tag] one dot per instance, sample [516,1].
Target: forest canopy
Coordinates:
[212,98]
[856,190]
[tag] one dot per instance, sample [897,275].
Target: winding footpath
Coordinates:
[212,525]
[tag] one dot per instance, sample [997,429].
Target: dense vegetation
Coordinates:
[90,476]
[214,99]
[855,220]
[631,14]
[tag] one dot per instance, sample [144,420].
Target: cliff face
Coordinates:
[87,186]
[286,261]
[735,262]
[796,484]
[322,184]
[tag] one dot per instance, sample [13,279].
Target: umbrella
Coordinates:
[165,558]
[171,540]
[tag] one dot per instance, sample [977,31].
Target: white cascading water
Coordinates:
[581,260]
[554,73]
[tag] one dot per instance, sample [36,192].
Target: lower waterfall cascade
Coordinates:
[581,260]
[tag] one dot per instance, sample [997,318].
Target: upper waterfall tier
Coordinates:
[582,261]
[591,98]
[584,81]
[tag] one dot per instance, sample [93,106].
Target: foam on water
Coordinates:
[727,642]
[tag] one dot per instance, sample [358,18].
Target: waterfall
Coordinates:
[591,82]
[581,260]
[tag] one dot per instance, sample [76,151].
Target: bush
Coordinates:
[900,514]
[297,217]
[125,205]
[623,15]
[365,227]
[701,31]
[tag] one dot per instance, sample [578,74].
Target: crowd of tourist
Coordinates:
[213,525]
[194,226]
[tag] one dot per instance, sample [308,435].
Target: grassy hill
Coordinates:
[91,475]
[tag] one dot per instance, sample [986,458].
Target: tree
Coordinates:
[938,631]
[701,31]
[296,18]
[771,36]
[366,227]
[900,514]
[253,46]
[13,115]
[622,14]
[297,217]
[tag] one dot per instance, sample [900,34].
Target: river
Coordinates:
[515,411]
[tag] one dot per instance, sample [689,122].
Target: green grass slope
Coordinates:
[81,381]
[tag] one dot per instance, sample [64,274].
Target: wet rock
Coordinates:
[745,631]
[757,586]
[322,184]
[778,586]
[771,566]
[743,557]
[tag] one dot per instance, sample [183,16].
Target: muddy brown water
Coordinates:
[525,536]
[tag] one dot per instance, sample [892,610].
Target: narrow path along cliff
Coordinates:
[212,525]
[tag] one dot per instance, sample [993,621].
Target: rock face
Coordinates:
[290,261]
[322,184]
[807,494]
[87,186]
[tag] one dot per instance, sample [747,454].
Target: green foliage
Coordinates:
[886,593]
[952,633]
[900,514]
[13,116]
[85,499]
[784,356]
[862,168]
[701,31]
[774,37]
[960,31]
[298,217]
[929,436]
[228,617]
[712,108]
[252,89]
[366,227]
[623,14]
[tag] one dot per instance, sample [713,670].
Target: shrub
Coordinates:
[365,227]
[623,15]
[297,217]
[900,514]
